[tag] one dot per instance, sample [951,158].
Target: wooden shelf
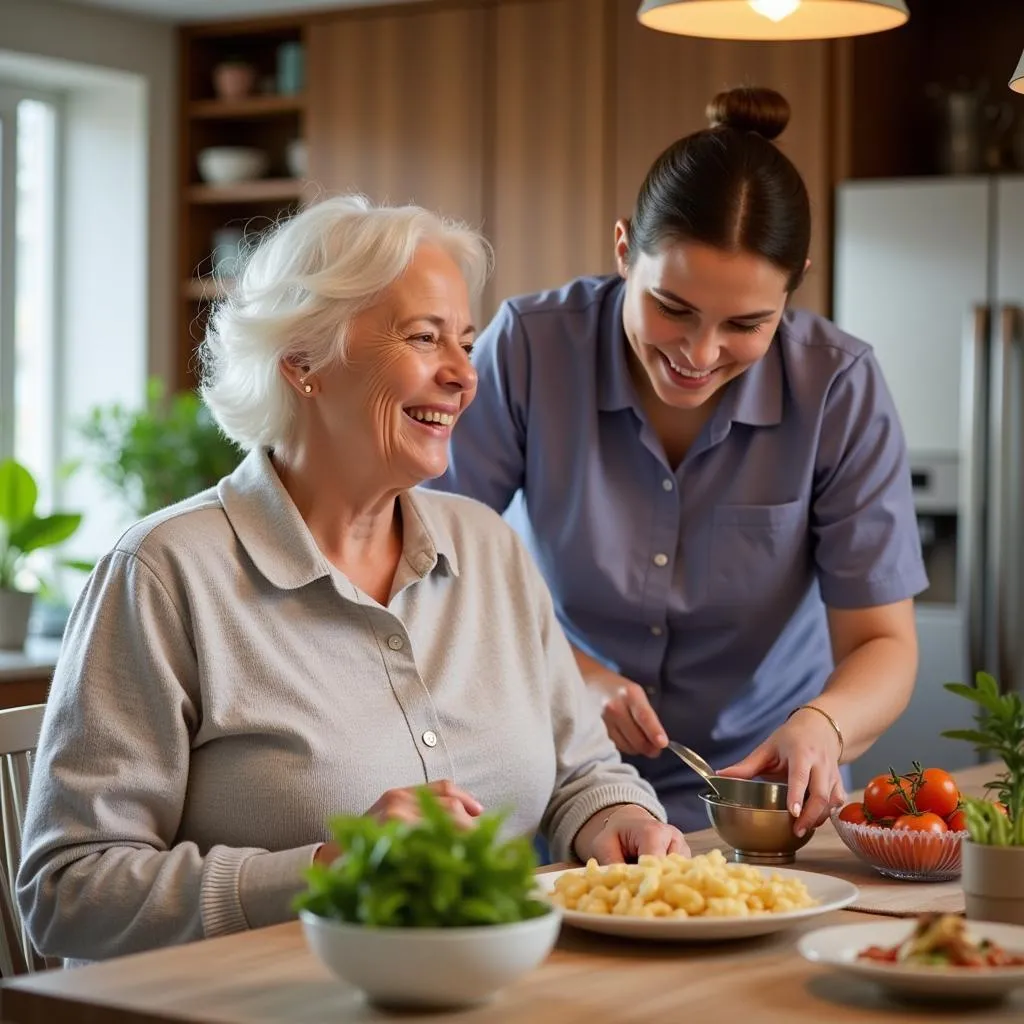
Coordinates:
[250,106]
[203,289]
[261,190]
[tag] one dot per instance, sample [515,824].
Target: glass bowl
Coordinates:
[909,856]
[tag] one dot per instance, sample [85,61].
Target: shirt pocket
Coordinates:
[756,551]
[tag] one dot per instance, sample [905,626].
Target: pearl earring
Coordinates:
[308,388]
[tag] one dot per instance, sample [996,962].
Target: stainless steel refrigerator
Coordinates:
[930,271]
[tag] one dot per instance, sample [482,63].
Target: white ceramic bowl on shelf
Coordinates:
[228,165]
[431,968]
[296,157]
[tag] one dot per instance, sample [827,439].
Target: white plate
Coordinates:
[838,947]
[831,893]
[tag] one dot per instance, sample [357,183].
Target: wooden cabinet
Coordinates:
[397,108]
[895,125]
[534,120]
[664,83]
[537,119]
[269,117]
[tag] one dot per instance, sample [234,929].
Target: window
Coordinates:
[29,420]
[75,270]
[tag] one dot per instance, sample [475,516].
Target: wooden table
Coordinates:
[270,977]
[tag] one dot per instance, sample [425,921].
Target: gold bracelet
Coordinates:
[831,721]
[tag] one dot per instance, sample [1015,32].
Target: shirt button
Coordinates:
[395,642]
[651,690]
[660,560]
[656,630]
[430,738]
[666,484]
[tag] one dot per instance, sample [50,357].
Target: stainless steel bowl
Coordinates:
[769,796]
[757,834]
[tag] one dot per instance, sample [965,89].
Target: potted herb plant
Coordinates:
[993,855]
[427,914]
[23,532]
[162,453]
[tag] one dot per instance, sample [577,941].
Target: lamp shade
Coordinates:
[772,19]
[1017,78]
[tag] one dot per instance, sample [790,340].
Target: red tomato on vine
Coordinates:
[957,821]
[925,821]
[854,813]
[936,792]
[885,798]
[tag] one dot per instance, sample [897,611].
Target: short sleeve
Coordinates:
[867,550]
[487,454]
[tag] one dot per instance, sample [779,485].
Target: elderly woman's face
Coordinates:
[407,376]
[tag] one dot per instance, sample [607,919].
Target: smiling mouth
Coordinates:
[432,419]
[689,375]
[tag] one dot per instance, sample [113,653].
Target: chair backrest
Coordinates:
[19,736]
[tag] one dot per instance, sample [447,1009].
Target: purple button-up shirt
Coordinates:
[706,584]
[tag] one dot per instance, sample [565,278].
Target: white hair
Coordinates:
[300,288]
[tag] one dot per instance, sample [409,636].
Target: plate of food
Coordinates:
[936,956]
[702,898]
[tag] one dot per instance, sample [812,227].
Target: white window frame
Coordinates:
[11,94]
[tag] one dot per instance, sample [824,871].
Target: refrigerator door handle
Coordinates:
[1006,480]
[971,566]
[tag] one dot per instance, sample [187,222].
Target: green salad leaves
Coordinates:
[428,875]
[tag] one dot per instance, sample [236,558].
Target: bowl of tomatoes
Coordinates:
[908,826]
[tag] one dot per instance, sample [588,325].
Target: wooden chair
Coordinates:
[19,735]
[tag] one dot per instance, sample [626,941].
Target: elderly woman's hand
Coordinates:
[616,835]
[804,752]
[401,805]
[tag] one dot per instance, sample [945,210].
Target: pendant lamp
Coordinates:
[1017,79]
[772,19]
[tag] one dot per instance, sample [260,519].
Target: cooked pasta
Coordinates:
[675,886]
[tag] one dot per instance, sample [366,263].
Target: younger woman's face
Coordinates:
[697,317]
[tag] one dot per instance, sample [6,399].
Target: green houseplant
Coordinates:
[993,856]
[164,452]
[23,532]
[427,914]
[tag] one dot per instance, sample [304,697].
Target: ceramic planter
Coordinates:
[15,608]
[993,882]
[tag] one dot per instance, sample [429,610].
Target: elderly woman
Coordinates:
[312,636]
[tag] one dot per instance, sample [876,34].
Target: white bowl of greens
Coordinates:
[427,915]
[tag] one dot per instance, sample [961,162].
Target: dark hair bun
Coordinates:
[750,109]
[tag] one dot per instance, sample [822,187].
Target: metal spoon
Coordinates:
[693,760]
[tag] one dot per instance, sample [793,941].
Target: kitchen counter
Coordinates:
[269,976]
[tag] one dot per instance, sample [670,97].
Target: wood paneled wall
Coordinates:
[552,176]
[537,120]
[397,108]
